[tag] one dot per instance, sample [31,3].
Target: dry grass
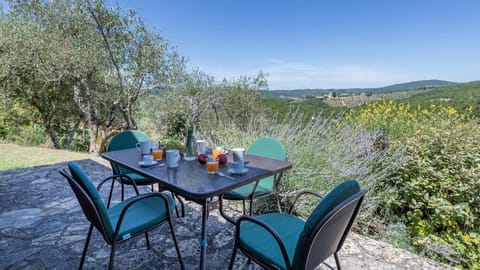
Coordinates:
[16,157]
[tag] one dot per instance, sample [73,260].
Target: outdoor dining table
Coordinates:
[191,180]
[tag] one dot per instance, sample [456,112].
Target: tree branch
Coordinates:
[107,45]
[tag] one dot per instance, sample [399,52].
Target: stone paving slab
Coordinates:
[42,227]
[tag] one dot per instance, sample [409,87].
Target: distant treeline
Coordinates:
[392,88]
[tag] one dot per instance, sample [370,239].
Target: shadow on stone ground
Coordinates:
[42,227]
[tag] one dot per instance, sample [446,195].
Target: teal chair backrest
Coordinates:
[124,140]
[82,178]
[271,148]
[332,230]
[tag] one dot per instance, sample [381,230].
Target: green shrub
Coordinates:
[3,132]
[437,192]
[76,140]
[33,137]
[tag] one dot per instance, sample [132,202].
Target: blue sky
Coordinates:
[323,43]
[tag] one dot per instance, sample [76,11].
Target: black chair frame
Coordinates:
[117,172]
[276,182]
[354,201]
[92,213]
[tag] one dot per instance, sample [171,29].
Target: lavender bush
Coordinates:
[324,151]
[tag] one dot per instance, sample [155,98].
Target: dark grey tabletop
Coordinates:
[191,180]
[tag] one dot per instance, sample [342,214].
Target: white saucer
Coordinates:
[242,171]
[143,164]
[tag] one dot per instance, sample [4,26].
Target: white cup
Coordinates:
[147,159]
[172,157]
[145,147]
[237,166]
[239,155]
[201,146]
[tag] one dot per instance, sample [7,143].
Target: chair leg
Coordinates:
[251,207]
[174,236]
[148,241]
[244,208]
[182,204]
[337,261]
[123,192]
[176,211]
[220,208]
[232,259]
[278,203]
[110,195]
[112,255]
[87,241]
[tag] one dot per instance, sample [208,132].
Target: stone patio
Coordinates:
[42,227]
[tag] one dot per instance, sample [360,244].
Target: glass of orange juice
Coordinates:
[212,166]
[157,154]
[216,152]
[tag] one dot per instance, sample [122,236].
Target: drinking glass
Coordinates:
[157,154]
[216,152]
[212,166]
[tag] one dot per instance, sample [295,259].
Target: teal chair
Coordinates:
[132,217]
[265,147]
[124,140]
[284,241]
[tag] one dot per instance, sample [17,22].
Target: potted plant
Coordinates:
[173,144]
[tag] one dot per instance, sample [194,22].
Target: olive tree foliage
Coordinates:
[103,59]
[201,99]
[32,56]
[238,99]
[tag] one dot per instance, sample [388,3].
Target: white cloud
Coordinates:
[297,75]
[291,75]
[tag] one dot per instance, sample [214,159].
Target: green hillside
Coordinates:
[460,96]
[391,88]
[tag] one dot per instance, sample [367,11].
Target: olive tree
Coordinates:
[33,59]
[103,59]
[137,60]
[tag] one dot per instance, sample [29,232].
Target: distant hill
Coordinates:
[415,85]
[392,88]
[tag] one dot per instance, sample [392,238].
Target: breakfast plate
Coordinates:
[242,171]
[145,164]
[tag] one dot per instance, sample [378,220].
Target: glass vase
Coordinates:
[190,145]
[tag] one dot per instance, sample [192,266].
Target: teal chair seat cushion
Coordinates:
[245,191]
[256,240]
[139,180]
[141,215]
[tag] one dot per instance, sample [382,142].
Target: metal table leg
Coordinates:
[203,238]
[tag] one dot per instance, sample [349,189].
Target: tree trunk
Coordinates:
[53,136]
[83,98]
[94,146]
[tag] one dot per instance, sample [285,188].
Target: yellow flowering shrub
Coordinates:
[437,192]
[398,120]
